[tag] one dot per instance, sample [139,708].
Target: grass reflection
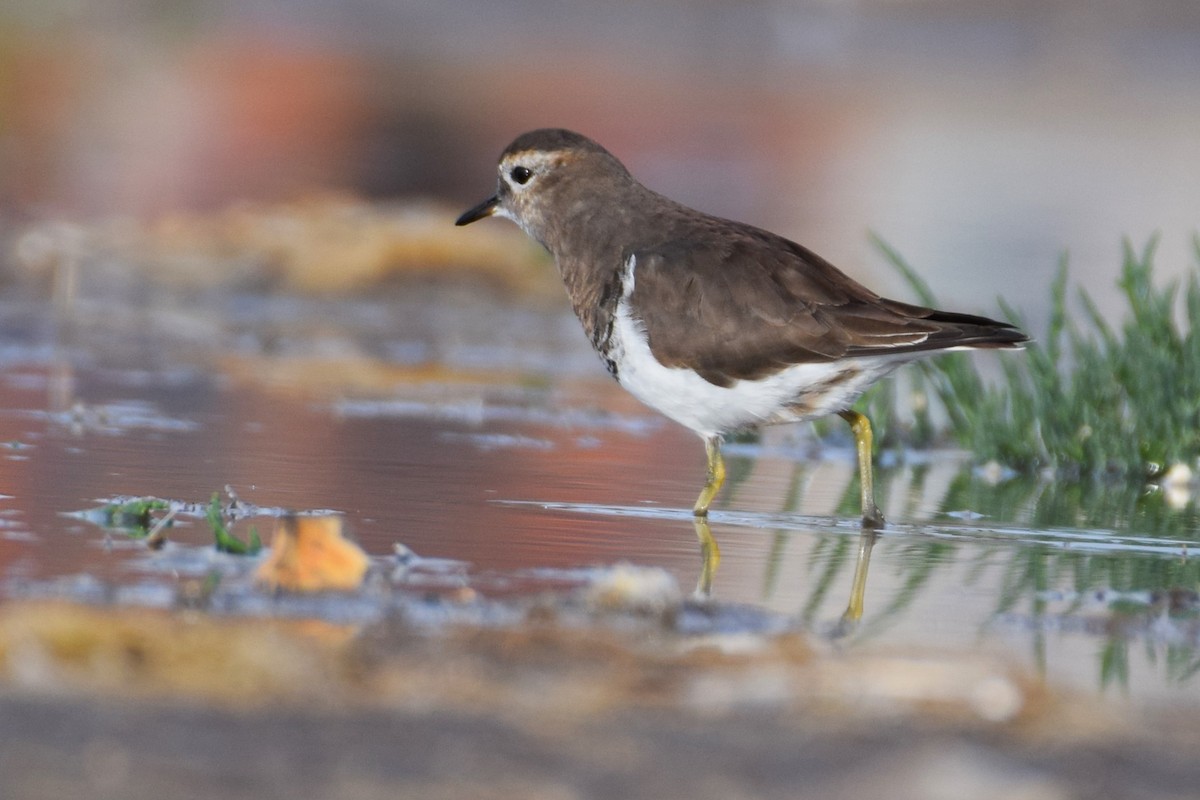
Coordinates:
[1107,560]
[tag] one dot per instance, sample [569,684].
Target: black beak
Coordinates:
[484,209]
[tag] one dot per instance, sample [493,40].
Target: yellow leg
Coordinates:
[710,556]
[861,426]
[854,609]
[716,475]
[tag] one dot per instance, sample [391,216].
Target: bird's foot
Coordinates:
[873,519]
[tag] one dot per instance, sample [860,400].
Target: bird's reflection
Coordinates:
[710,558]
[858,587]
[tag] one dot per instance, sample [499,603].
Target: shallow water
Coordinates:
[483,435]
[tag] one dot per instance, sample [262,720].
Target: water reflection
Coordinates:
[710,557]
[858,587]
[1047,566]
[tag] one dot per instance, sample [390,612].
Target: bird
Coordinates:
[719,325]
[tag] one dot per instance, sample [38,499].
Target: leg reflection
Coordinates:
[710,556]
[854,609]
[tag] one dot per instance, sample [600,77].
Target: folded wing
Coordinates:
[747,305]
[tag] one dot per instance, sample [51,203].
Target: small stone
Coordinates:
[625,587]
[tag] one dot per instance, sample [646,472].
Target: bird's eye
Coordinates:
[521,175]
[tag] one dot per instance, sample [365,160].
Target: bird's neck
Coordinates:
[591,243]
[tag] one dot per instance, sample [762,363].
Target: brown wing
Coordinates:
[732,301]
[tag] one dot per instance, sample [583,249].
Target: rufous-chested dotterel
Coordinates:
[719,325]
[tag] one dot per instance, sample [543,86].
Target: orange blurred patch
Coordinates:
[320,243]
[309,554]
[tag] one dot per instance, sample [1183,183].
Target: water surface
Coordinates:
[481,434]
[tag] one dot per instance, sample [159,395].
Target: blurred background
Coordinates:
[322,147]
[981,139]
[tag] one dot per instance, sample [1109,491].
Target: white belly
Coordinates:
[797,393]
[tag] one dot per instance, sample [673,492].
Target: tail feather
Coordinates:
[968,330]
[956,330]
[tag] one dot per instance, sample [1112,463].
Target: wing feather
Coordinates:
[735,302]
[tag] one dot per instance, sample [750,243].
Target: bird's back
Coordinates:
[732,301]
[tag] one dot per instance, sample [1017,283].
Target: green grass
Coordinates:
[1090,398]
[225,541]
[135,517]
